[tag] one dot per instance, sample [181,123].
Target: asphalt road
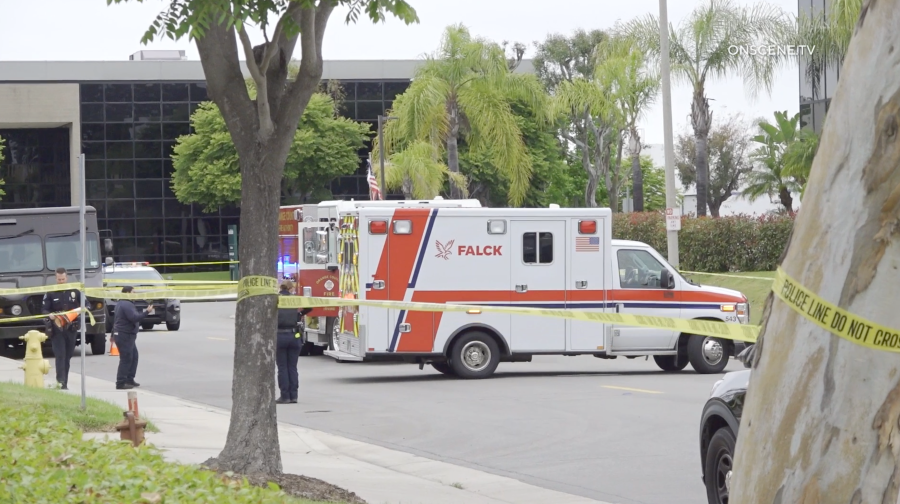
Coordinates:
[618,430]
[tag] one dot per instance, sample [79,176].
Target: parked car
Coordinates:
[719,429]
[117,275]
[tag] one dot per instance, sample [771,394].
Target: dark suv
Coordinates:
[719,428]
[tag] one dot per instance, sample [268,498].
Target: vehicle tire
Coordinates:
[475,355]
[668,362]
[719,462]
[707,354]
[443,367]
[147,325]
[109,323]
[173,326]
[98,344]
[16,352]
[306,349]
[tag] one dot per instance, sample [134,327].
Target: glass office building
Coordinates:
[127,131]
[816,92]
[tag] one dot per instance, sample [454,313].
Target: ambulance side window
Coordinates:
[537,248]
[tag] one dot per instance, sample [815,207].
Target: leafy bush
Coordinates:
[713,245]
[45,461]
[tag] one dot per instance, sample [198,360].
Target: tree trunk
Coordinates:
[252,444]
[590,192]
[407,187]
[453,150]
[787,201]
[612,174]
[714,207]
[701,120]
[820,421]
[637,176]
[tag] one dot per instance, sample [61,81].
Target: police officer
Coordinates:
[287,348]
[62,339]
[125,328]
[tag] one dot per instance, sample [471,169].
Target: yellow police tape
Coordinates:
[832,318]
[824,314]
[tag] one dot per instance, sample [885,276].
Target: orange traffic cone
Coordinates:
[113,349]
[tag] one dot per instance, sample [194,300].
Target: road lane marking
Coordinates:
[218,339]
[632,389]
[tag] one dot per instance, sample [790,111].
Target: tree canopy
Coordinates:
[207,169]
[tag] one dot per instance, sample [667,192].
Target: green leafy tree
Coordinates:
[702,49]
[562,58]
[2,144]
[552,179]
[728,160]
[262,131]
[625,69]
[588,119]
[654,184]
[464,90]
[799,156]
[207,169]
[770,176]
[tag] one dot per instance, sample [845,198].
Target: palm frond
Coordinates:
[495,131]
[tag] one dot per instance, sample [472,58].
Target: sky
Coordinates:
[89,30]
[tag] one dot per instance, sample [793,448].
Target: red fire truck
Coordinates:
[305,258]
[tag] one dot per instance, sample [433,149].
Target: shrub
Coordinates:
[714,245]
[46,461]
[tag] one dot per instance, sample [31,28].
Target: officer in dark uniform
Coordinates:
[62,340]
[125,328]
[287,348]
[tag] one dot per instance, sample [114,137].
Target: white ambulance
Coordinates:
[566,258]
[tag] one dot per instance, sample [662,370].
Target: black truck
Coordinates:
[33,243]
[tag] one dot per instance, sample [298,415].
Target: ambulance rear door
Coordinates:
[587,251]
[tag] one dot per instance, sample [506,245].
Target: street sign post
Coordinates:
[673,219]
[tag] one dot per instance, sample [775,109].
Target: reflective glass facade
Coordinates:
[815,96]
[36,168]
[128,132]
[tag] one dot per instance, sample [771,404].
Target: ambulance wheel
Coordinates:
[707,354]
[443,367]
[668,362]
[475,355]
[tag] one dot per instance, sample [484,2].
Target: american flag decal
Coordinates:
[587,244]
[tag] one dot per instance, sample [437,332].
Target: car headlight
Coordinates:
[16,310]
[715,385]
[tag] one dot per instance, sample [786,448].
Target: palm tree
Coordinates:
[419,172]
[828,36]
[623,67]
[702,48]
[798,156]
[771,177]
[464,90]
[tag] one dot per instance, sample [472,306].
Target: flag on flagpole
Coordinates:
[374,190]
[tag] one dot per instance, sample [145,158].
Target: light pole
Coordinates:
[673,215]
[381,120]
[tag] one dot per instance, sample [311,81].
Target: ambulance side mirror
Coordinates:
[666,280]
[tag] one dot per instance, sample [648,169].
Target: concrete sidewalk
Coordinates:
[191,433]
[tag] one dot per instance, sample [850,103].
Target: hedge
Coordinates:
[713,245]
[46,461]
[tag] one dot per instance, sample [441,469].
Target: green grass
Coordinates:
[214,276]
[99,416]
[45,459]
[755,290]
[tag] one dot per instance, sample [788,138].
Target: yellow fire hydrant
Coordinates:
[35,366]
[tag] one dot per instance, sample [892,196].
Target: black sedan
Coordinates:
[719,428]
